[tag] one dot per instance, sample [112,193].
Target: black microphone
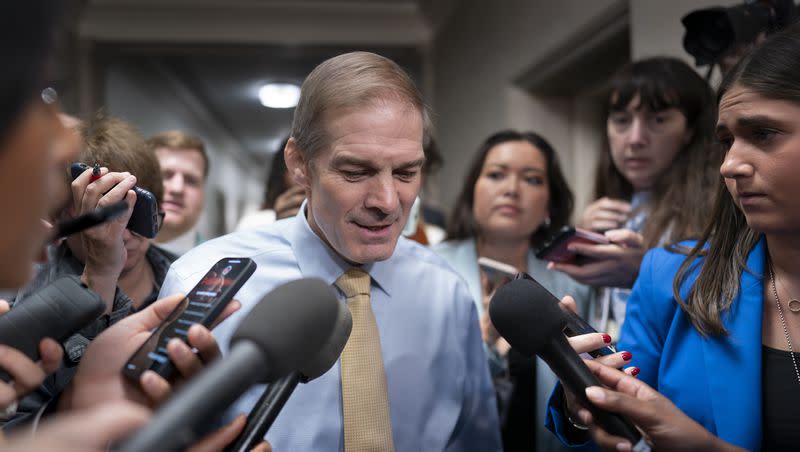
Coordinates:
[275,395]
[523,314]
[283,333]
[57,311]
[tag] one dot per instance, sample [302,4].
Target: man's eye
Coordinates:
[406,175]
[354,175]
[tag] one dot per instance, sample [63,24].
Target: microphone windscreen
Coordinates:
[524,314]
[291,324]
[330,352]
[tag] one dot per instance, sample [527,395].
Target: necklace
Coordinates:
[794,303]
[783,322]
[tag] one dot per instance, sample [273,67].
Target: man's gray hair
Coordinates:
[353,79]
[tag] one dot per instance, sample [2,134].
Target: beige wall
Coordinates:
[478,54]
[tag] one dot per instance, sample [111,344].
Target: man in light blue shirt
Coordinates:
[356,148]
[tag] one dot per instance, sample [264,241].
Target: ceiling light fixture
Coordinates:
[279,95]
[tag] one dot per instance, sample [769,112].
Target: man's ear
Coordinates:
[296,164]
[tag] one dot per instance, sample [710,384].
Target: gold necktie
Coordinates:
[365,398]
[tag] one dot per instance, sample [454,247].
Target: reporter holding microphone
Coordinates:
[714,325]
[32,160]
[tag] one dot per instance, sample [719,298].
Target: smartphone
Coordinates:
[202,305]
[575,324]
[145,219]
[497,272]
[555,250]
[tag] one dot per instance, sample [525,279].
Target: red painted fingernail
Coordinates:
[635,371]
[626,356]
[606,338]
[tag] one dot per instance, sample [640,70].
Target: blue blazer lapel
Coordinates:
[733,363]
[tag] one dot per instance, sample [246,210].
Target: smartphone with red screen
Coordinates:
[202,305]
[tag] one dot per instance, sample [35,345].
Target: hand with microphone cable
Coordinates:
[665,425]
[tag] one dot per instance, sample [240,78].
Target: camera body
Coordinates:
[145,218]
[713,32]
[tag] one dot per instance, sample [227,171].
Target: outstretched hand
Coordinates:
[664,425]
[99,377]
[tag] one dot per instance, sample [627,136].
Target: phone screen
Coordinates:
[556,249]
[202,305]
[497,272]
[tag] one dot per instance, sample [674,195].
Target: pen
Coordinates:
[89,219]
[96,172]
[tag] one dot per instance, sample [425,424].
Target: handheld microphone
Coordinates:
[284,332]
[56,311]
[275,395]
[522,313]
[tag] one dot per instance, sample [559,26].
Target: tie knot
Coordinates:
[354,282]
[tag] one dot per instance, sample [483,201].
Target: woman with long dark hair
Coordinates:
[513,197]
[655,180]
[717,331]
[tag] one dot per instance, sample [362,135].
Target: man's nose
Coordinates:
[175,183]
[383,194]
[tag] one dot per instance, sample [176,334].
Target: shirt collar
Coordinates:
[315,257]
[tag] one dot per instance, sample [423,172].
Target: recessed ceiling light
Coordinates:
[279,95]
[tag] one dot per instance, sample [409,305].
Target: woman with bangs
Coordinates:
[714,324]
[654,182]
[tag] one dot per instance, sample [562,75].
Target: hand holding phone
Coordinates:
[556,249]
[145,219]
[202,305]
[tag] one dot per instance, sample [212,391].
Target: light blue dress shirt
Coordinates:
[440,393]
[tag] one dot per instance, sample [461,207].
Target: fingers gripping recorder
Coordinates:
[145,219]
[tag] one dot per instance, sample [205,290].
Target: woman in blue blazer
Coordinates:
[714,331]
